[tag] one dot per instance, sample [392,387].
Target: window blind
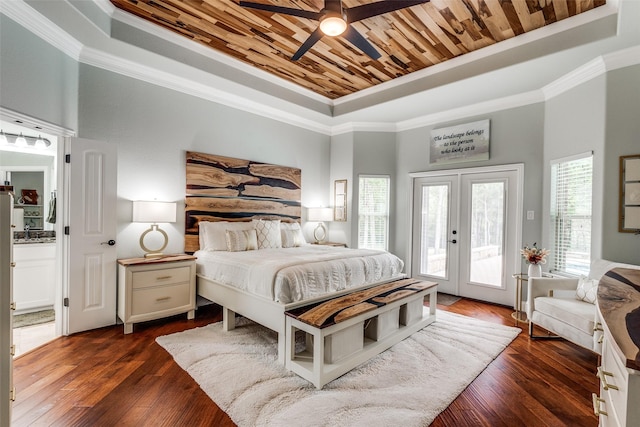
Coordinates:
[571,194]
[373,212]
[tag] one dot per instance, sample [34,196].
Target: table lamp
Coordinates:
[154,212]
[320,215]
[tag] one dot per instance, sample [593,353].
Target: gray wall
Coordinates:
[575,124]
[374,154]
[622,138]
[154,127]
[516,137]
[37,79]
[342,168]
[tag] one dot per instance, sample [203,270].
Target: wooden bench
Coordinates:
[344,332]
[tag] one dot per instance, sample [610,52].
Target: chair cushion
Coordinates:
[576,313]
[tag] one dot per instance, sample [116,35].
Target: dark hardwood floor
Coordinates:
[105,378]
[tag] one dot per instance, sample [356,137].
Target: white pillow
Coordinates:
[268,232]
[241,240]
[215,238]
[291,235]
[587,290]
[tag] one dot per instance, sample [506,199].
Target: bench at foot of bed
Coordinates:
[344,332]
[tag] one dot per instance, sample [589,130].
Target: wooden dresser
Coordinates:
[619,307]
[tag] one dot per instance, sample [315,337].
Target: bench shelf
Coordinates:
[334,350]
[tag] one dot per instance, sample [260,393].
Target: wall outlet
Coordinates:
[530,215]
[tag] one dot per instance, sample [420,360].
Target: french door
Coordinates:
[466,231]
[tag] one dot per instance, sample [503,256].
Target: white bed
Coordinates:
[263,284]
[226,198]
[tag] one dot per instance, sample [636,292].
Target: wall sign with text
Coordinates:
[468,142]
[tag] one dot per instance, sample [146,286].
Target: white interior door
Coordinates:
[90,214]
[466,231]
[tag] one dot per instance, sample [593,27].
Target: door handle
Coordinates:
[453,241]
[109,242]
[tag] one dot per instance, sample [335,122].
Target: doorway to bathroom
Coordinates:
[29,162]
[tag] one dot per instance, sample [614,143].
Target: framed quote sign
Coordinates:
[462,143]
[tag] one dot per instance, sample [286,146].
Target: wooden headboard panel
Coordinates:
[228,189]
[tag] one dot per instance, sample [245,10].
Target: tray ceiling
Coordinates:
[409,40]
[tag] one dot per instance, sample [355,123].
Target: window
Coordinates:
[373,212]
[571,183]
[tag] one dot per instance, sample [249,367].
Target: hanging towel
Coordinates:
[52,211]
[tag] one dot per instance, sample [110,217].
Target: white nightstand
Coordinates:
[152,288]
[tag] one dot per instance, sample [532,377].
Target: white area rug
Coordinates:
[411,383]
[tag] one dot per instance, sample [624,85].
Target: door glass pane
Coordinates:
[434,230]
[487,233]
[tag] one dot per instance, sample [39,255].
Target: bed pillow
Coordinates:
[241,240]
[587,290]
[215,238]
[291,234]
[268,232]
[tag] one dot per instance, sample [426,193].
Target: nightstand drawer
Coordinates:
[151,300]
[167,276]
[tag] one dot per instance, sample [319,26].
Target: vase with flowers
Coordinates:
[535,257]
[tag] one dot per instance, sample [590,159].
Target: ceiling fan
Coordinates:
[336,20]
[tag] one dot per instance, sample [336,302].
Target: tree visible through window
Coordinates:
[571,193]
[373,212]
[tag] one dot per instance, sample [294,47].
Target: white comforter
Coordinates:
[294,274]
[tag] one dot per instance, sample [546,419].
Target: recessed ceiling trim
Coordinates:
[176,39]
[610,8]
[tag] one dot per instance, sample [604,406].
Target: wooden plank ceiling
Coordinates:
[409,40]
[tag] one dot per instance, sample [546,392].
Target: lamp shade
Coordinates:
[154,211]
[320,214]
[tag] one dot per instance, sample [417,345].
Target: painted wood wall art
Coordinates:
[228,189]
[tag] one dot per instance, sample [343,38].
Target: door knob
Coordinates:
[109,242]
[453,241]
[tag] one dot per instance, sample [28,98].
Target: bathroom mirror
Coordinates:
[629,220]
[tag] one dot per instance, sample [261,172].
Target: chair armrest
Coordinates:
[540,287]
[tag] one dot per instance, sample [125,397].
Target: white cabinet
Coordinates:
[34,276]
[152,288]
[618,404]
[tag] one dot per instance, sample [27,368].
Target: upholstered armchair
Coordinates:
[566,307]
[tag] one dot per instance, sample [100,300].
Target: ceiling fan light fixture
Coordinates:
[333,24]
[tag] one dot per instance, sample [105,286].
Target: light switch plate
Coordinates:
[530,215]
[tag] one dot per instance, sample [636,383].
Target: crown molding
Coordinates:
[100,59]
[580,75]
[514,101]
[33,21]
[363,127]
[33,123]
[36,23]
[622,58]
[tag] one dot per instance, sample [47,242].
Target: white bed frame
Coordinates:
[264,311]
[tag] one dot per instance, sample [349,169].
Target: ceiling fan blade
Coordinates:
[358,13]
[360,42]
[284,10]
[310,41]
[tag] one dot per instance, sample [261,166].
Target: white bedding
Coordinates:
[288,275]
